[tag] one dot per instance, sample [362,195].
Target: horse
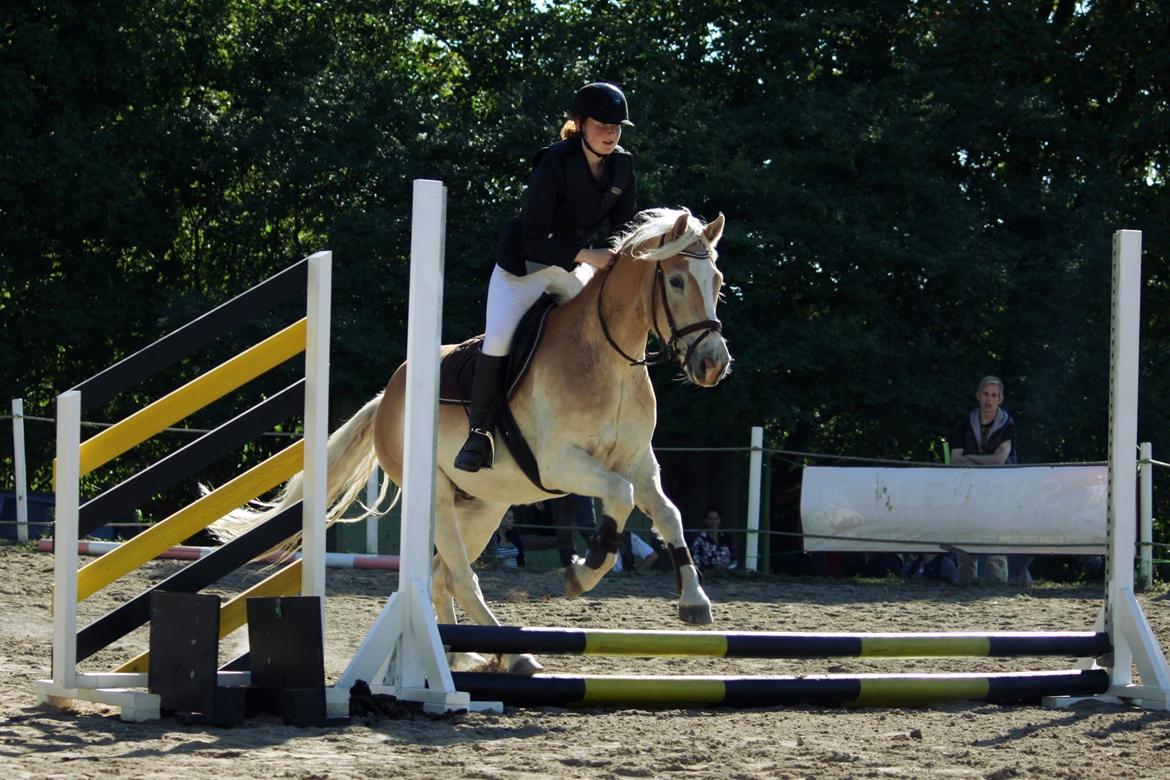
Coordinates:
[587,409]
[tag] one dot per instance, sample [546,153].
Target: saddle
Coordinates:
[457,370]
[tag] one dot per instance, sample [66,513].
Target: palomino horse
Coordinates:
[587,409]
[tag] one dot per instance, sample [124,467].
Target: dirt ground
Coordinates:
[957,740]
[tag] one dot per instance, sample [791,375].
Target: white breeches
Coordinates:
[510,296]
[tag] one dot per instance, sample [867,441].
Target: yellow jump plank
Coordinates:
[232,615]
[189,520]
[193,396]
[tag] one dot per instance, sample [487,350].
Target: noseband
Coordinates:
[670,347]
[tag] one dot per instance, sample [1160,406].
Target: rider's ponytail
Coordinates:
[571,128]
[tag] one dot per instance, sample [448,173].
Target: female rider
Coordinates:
[575,186]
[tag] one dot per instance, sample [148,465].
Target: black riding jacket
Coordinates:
[564,207]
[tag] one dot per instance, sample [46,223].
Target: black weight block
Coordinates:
[285,643]
[184,650]
[228,709]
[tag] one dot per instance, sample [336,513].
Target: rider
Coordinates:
[575,186]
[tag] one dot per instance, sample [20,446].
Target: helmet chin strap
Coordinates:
[590,148]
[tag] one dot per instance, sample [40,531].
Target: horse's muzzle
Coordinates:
[709,363]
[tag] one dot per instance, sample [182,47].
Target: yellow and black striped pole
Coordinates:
[737,644]
[897,690]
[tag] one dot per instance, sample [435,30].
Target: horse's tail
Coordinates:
[351,461]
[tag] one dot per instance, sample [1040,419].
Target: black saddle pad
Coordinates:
[458,367]
[457,370]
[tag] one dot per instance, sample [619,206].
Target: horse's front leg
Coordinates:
[444,604]
[583,475]
[693,605]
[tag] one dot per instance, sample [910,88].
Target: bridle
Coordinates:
[670,347]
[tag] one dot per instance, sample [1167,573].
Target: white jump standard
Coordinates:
[402,655]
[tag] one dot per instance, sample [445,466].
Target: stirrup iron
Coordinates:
[479,452]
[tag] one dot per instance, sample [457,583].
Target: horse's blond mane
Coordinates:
[652,224]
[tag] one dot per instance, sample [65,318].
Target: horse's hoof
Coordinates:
[526,665]
[695,614]
[573,586]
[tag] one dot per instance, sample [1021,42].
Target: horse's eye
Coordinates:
[676,282]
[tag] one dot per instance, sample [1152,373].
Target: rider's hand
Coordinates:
[598,258]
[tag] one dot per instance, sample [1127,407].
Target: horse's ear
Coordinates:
[714,230]
[680,226]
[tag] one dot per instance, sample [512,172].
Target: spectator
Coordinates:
[508,545]
[985,437]
[572,513]
[634,548]
[931,566]
[713,549]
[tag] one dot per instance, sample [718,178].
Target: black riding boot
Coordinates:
[486,388]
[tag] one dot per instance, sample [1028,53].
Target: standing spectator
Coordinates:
[713,549]
[985,437]
[572,513]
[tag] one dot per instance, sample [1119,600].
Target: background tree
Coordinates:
[918,193]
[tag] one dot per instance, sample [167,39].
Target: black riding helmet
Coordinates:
[603,102]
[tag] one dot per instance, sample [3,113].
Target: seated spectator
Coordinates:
[713,549]
[932,566]
[507,542]
[634,548]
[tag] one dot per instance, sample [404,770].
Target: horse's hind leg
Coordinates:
[693,605]
[459,527]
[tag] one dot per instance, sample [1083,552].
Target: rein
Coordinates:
[670,347]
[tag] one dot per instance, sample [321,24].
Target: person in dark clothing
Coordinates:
[572,513]
[576,186]
[985,437]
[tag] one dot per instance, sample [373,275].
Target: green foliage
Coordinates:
[918,193]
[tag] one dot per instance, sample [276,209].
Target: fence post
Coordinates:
[1146,525]
[752,554]
[21,475]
